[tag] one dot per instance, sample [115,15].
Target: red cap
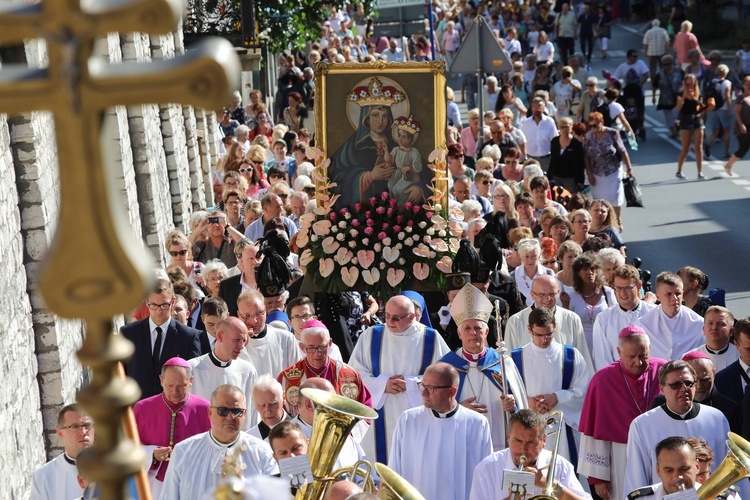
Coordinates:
[631,330]
[177,361]
[695,355]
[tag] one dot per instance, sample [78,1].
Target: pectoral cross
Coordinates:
[96,268]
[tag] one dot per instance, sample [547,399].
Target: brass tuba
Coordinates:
[395,487]
[335,417]
[555,420]
[734,467]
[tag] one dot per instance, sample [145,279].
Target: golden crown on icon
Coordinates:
[407,124]
[375,94]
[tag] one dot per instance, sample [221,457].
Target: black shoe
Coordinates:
[707,150]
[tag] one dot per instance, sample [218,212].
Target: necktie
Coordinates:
[157,349]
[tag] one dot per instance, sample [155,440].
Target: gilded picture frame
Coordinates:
[378,123]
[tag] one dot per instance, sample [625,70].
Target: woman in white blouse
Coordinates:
[544,50]
[531,266]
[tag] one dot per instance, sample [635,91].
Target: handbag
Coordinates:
[633,194]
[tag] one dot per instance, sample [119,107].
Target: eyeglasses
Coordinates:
[396,319]
[320,349]
[256,163]
[623,288]
[243,170]
[79,427]
[545,295]
[223,411]
[248,316]
[234,202]
[493,132]
[155,307]
[678,385]
[549,262]
[175,253]
[485,182]
[431,388]
[580,221]
[591,85]
[303,317]
[542,335]
[283,196]
[500,197]
[217,278]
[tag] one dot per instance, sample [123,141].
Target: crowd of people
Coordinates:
[542,312]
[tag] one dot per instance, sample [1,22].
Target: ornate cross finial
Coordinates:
[96,268]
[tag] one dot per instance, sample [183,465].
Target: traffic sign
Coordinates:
[480,51]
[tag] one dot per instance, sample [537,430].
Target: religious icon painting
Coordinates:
[382,223]
[378,123]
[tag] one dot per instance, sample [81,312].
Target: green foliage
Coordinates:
[288,24]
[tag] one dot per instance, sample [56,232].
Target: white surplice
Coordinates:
[488,475]
[195,468]
[477,385]
[56,479]
[569,331]
[273,353]
[607,328]
[207,376]
[438,455]
[648,429]
[672,337]
[543,373]
[604,460]
[400,354]
[721,359]
[350,454]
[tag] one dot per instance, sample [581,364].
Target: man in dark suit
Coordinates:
[157,339]
[231,288]
[734,380]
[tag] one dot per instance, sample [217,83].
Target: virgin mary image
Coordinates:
[362,166]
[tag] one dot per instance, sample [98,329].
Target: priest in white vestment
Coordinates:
[629,308]
[543,366]
[718,329]
[481,386]
[527,437]
[674,329]
[392,371]
[269,349]
[58,478]
[617,394]
[351,452]
[546,290]
[679,416]
[222,366]
[198,463]
[268,399]
[436,446]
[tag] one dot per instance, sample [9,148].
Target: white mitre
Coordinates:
[470,303]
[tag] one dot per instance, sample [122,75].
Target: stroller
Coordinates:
[634,103]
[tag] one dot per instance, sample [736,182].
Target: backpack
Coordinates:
[632,78]
[604,110]
[713,89]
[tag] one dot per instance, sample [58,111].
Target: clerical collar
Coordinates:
[716,353]
[71,461]
[216,361]
[223,445]
[262,333]
[630,310]
[445,415]
[409,331]
[317,371]
[474,358]
[541,350]
[691,413]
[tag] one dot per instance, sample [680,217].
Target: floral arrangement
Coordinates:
[378,245]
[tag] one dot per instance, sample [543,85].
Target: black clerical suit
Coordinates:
[178,340]
[729,382]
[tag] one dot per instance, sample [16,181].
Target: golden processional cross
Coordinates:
[96,267]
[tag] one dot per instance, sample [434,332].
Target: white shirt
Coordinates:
[164,327]
[195,467]
[607,328]
[57,479]
[488,475]
[539,136]
[426,447]
[272,353]
[639,66]
[721,358]
[671,338]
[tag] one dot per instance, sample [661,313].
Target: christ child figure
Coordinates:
[405,157]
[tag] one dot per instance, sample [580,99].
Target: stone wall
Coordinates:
[155,153]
